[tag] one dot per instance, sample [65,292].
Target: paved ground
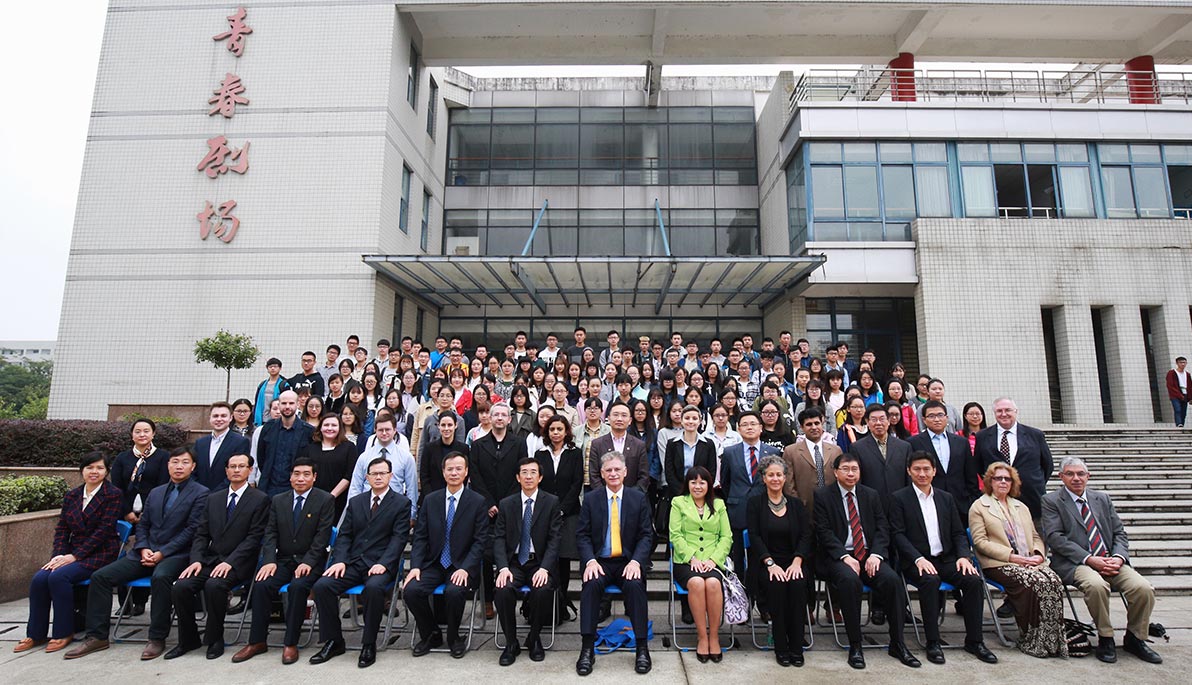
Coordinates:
[825,663]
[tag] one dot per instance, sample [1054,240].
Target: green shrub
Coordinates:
[23,494]
[53,442]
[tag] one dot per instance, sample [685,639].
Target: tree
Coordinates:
[24,389]
[227,351]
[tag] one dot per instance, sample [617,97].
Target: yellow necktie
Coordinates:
[614,529]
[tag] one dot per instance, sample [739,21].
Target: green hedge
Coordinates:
[23,494]
[52,442]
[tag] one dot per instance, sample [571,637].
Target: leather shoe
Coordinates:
[330,650]
[1139,648]
[289,655]
[856,658]
[642,663]
[796,659]
[56,645]
[88,646]
[782,658]
[1006,610]
[215,650]
[935,653]
[904,655]
[154,649]
[489,611]
[249,651]
[368,656]
[982,652]
[133,609]
[178,650]
[458,649]
[537,651]
[509,654]
[27,644]
[586,661]
[877,616]
[423,646]
[717,656]
[1106,650]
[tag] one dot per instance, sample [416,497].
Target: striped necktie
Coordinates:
[1096,542]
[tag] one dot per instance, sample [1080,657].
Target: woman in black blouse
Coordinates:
[561,464]
[431,453]
[336,457]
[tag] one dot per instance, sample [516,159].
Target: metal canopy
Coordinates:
[472,281]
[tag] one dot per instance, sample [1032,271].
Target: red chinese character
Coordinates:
[237,30]
[219,155]
[210,221]
[227,96]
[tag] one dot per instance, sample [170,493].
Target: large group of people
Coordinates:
[501,471]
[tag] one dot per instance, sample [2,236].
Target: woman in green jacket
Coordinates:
[702,537]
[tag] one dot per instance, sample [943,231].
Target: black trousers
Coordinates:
[263,594]
[787,603]
[632,591]
[419,592]
[327,591]
[124,570]
[971,599]
[215,594]
[885,586]
[538,601]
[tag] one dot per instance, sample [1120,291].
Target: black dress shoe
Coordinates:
[982,652]
[215,650]
[716,657]
[133,609]
[458,649]
[877,616]
[586,661]
[782,658]
[509,654]
[904,655]
[1006,610]
[179,650]
[642,663]
[935,652]
[796,659]
[856,658]
[330,650]
[1140,649]
[537,651]
[1106,650]
[368,656]
[423,646]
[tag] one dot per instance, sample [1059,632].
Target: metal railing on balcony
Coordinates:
[877,84]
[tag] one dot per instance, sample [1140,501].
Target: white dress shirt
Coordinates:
[1011,434]
[216,441]
[942,449]
[89,495]
[238,493]
[931,520]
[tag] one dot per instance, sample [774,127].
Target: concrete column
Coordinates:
[1077,360]
[902,77]
[1142,85]
[1130,393]
[1171,328]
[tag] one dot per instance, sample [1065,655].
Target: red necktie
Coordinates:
[752,463]
[854,524]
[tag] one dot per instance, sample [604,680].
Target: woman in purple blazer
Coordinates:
[85,539]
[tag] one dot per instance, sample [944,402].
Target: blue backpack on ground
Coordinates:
[619,635]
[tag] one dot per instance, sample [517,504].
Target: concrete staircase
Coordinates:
[1148,473]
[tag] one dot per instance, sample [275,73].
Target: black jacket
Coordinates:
[306,545]
[799,528]
[960,480]
[367,538]
[705,456]
[545,523]
[236,541]
[494,474]
[831,521]
[469,531]
[567,483]
[910,531]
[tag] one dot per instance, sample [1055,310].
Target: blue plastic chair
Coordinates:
[499,637]
[285,588]
[477,600]
[394,589]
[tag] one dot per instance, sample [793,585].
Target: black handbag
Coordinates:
[1078,636]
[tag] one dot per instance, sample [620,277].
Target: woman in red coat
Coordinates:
[85,540]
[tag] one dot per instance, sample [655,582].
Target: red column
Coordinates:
[902,77]
[1142,86]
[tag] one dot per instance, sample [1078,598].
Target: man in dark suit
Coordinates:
[372,536]
[294,552]
[1089,549]
[222,556]
[854,543]
[958,469]
[740,480]
[449,540]
[212,451]
[494,459]
[618,439]
[526,549]
[883,456]
[1022,447]
[933,547]
[164,533]
[614,538]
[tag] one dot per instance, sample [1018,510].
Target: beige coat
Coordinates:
[987,527]
[801,482]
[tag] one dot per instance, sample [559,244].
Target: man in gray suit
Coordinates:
[1089,549]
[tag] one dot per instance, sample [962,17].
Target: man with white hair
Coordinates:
[1090,549]
[1020,446]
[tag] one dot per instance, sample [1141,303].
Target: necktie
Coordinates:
[376,504]
[298,510]
[231,507]
[819,466]
[614,528]
[1004,448]
[1096,543]
[881,446]
[523,551]
[854,525]
[445,556]
[752,464]
[171,495]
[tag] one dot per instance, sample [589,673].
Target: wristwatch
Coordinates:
[769,562]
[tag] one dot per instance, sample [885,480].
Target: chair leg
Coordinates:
[906,590]
[120,616]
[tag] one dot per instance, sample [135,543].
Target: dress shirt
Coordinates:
[1011,434]
[447,500]
[216,440]
[942,450]
[607,549]
[619,443]
[89,495]
[404,476]
[376,496]
[745,447]
[238,493]
[731,437]
[688,454]
[931,520]
[524,497]
[848,530]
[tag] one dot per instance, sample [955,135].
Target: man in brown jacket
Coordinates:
[810,460]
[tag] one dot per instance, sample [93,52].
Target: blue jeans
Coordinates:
[1180,408]
[54,588]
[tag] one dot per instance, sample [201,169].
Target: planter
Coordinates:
[72,477]
[26,543]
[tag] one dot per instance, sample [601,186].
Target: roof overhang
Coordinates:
[476,281]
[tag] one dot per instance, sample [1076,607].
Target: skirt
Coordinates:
[683,573]
[1037,595]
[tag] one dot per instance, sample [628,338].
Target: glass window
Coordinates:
[736,232]
[690,114]
[601,115]
[733,114]
[691,146]
[825,152]
[860,184]
[557,115]
[934,198]
[977,182]
[1178,154]
[734,146]
[403,217]
[1119,191]
[830,231]
[1072,152]
[860,152]
[513,146]
[898,192]
[1005,152]
[601,146]
[1114,153]
[471,116]
[432,108]
[973,152]
[827,191]
[557,233]
[1151,185]
[644,115]
[413,75]
[1039,152]
[895,152]
[513,115]
[507,231]
[468,147]
[645,147]
[556,146]
[1145,154]
[427,205]
[1077,192]
[931,152]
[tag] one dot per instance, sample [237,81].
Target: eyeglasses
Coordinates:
[935,416]
[1002,479]
[378,473]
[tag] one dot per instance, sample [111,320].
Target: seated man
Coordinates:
[222,556]
[614,537]
[449,541]
[164,534]
[372,537]
[1089,549]
[854,539]
[933,547]
[294,552]
[526,549]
